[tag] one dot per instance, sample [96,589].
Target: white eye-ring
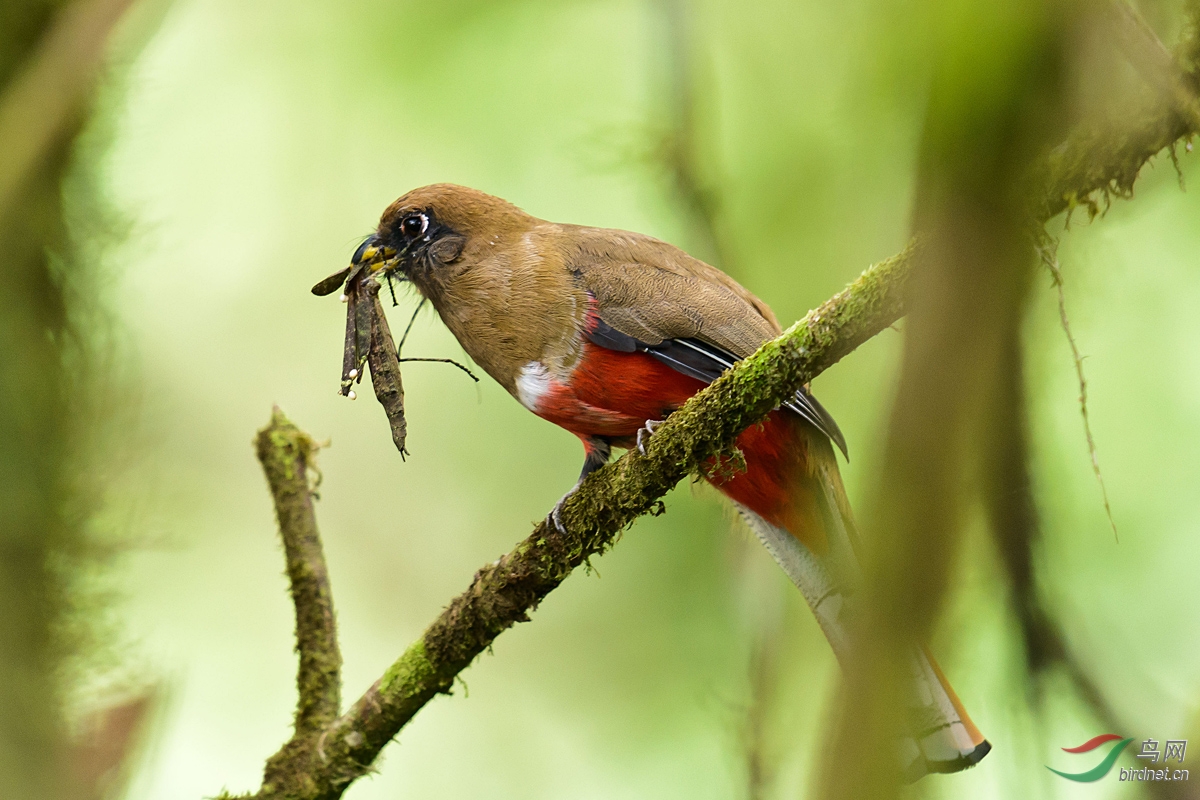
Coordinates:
[414,225]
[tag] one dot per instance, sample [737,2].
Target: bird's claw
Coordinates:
[555,516]
[645,432]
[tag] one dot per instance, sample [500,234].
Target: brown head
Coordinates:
[493,272]
[433,234]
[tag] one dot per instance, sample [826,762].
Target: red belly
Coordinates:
[612,394]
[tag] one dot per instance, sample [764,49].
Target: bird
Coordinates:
[605,333]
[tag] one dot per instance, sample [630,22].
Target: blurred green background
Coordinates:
[250,146]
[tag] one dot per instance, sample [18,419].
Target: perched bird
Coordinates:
[604,333]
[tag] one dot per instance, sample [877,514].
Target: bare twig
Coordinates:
[1049,256]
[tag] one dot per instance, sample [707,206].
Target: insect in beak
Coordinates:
[371,256]
[332,283]
[374,256]
[368,343]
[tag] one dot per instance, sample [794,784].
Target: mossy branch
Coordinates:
[503,593]
[323,764]
[286,453]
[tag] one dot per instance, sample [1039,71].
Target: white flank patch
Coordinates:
[533,383]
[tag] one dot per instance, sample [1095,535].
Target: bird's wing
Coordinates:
[653,297]
[653,291]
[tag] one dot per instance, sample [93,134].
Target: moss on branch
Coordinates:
[286,453]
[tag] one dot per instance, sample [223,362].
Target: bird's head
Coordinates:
[435,234]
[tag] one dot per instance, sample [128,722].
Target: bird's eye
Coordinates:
[414,225]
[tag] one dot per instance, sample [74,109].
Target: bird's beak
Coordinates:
[371,255]
[375,256]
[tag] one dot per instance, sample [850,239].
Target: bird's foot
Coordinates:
[645,432]
[555,516]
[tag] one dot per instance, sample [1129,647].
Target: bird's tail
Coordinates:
[810,533]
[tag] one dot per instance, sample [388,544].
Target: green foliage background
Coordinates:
[254,144]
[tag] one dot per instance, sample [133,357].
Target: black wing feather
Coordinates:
[811,409]
[705,362]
